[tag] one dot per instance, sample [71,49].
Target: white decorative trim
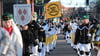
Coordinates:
[89,35]
[85,27]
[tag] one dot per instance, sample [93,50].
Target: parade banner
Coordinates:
[22,13]
[53,9]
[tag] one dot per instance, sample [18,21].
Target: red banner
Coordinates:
[33,7]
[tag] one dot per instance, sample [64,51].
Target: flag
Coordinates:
[53,9]
[22,13]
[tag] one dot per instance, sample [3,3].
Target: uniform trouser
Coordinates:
[26,54]
[40,54]
[72,44]
[44,50]
[85,49]
[35,50]
[76,47]
[51,46]
[54,44]
[47,48]
[25,50]
[68,40]
[58,31]
[40,49]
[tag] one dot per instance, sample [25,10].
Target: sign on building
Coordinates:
[53,9]
[92,4]
[22,13]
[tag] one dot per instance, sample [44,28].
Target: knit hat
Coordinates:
[7,16]
[85,17]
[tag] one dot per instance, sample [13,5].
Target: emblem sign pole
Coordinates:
[22,13]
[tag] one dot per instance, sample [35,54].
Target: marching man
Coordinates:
[45,27]
[83,37]
[4,42]
[16,46]
[97,45]
[68,34]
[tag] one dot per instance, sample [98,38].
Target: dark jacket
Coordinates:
[42,36]
[27,37]
[81,34]
[34,28]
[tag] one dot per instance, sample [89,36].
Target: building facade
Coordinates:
[97,8]
[8,5]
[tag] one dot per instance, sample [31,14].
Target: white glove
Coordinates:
[89,35]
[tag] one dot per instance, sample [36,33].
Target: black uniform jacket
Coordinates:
[81,35]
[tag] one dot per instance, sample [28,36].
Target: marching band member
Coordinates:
[54,37]
[45,27]
[51,34]
[74,27]
[97,43]
[27,36]
[48,41]
[68,35]
[42,39]
[16,46]
[58,29]
[83,37]
[34,27]
[4,42]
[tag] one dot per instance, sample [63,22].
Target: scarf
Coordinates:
[10,29]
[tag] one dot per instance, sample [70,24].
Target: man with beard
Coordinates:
[83,37]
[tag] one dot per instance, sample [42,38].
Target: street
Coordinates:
[63,49]
[50,27]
